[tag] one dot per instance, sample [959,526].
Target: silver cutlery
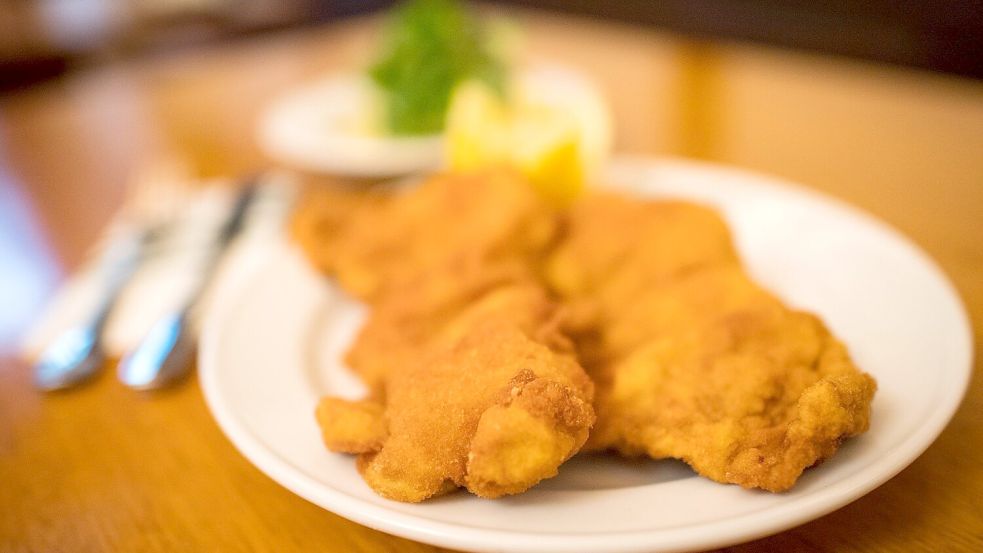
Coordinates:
[77,354]
[165,354]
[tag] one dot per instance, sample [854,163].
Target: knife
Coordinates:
[164,355]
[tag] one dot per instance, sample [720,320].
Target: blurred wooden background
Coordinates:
[42,38]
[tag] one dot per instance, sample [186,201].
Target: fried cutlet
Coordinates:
[323,210]
[406,319]
[613,244]
[494,405]
[691,358]
[753,398]
[475,383]
[448,219]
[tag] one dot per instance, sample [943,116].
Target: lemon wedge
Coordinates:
[554,128]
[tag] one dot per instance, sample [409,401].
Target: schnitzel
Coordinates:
[407,318]
[494,403]
[691,358]
[726,378]
[473,384]
[614,244]
[500,330]
[447,219]
[323,210]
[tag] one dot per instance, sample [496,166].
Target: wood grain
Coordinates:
[105,469]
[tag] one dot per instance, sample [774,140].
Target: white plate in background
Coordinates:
[325,127]
[331,126]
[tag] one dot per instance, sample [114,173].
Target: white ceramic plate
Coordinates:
[320,128]
[272,348]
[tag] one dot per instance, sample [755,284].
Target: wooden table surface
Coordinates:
[105,469]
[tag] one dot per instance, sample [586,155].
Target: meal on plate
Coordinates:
[507,332]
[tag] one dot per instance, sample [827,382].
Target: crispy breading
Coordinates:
[494,404]
[322,211]
[352,426]
[688,301]
[613,244]
[447,219]
[690,357]
[475,383]
[753,398]
[404,321]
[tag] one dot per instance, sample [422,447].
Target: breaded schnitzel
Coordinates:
[323,210]
[614,244]
[495,404]
[475,382]
[406,319]
[743,389]
[691,358]
[446,220]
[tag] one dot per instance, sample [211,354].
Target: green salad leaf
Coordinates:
[428,47]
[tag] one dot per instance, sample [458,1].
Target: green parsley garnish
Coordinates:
[429,46]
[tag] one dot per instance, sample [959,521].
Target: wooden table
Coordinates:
[105,469]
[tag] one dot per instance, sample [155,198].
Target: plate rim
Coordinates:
[724,532]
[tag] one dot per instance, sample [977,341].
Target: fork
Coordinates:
[78,354]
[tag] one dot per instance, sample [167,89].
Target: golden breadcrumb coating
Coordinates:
[613,245]
[690,357]
[753,398]
[354,427]
[448,219]
[688,301]
[402,322]
[474,381]
[321,212]
[494,404]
